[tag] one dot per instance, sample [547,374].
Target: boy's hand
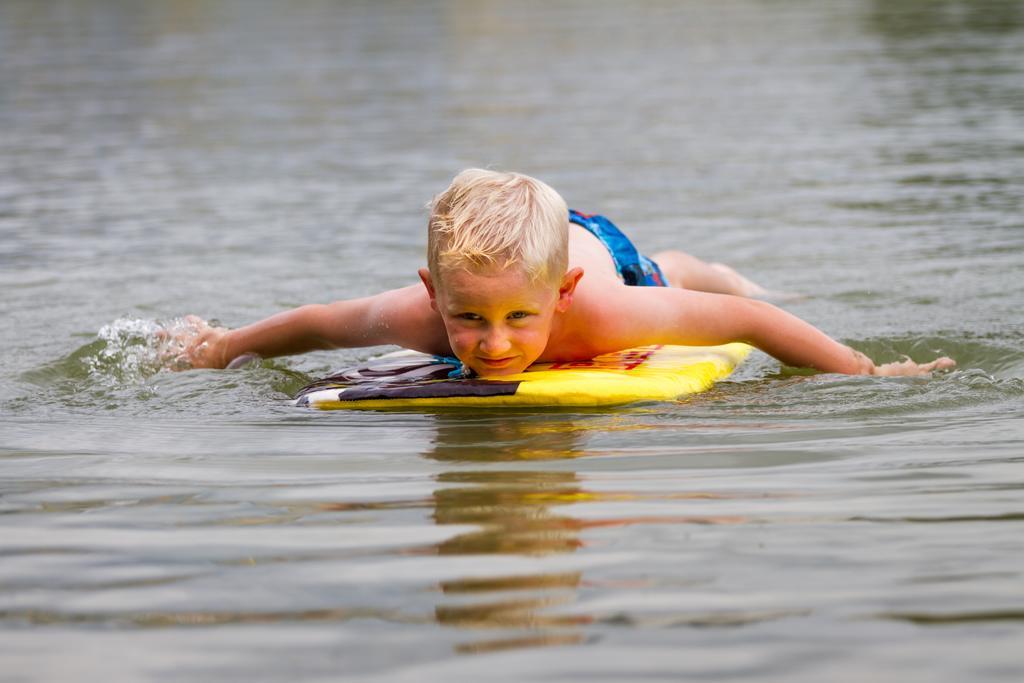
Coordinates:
[205,345]
[909,367]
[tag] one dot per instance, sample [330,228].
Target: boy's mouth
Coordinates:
[495,364]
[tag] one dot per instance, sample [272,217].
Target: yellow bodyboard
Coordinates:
[407,379]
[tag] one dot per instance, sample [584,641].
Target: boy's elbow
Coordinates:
[862,365]
[345,324]
[313,322]
[758,321]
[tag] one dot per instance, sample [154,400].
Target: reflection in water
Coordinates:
[522,512]
[512,512]
[512,509]
[510,436]
[526,513]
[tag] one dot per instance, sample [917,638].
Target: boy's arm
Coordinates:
[675,316]
[401,316]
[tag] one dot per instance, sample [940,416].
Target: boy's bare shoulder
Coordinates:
[605,316]
[610,315]
[602,295]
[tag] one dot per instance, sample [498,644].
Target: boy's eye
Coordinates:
[468,316]
[518,315]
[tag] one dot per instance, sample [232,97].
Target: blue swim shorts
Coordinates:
[634,268]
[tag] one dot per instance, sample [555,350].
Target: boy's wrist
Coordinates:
[222,348]
[866,366]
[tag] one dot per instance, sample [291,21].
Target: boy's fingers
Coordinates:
[196,348]
[196,324]
[909,367]
[943,363]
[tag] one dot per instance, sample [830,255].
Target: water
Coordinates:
[231,159]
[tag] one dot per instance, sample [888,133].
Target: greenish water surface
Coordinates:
[232,159]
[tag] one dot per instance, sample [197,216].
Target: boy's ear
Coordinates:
[429,284]
[567,288]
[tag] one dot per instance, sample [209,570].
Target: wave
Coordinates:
[133,361]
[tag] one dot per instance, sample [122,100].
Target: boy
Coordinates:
[511,281]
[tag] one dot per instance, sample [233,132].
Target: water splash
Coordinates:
[130,350]
[126,353]
[131,367]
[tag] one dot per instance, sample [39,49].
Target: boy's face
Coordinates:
[498,321]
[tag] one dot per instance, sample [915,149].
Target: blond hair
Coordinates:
[486,219]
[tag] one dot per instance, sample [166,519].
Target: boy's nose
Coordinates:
[495,343]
